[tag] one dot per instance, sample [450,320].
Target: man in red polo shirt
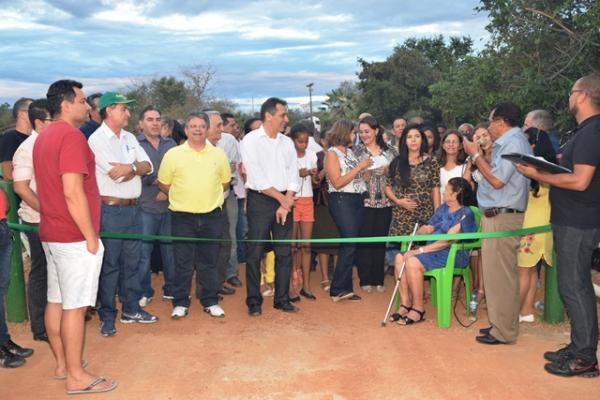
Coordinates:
[69,225]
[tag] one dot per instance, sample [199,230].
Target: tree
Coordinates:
[342,101]
[198,79]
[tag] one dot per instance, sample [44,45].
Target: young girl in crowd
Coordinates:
[453,160]
[535,248]
[433,139]
[303,212]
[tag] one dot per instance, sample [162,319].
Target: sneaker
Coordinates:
[142,317]
[572,366]
[380,288]
[526,318]
[342,296]
[166,297]
[367,288]
[560,354]
[107,328]
[215,311]
[179,312]
[17,350]
[144,301]
[10,360]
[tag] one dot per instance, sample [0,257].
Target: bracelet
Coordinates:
[475,157]
[421,251]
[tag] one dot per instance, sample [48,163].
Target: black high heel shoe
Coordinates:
[308,295]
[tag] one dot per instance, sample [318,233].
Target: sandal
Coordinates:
[308,295]
[409,321]
[397,315]
[325,285]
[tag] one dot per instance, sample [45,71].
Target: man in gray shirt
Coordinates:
[156,219]
[502,196]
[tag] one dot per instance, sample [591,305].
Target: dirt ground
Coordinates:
[326,351]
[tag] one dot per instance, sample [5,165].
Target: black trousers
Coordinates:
[262,226]
[370,257]
[37,287]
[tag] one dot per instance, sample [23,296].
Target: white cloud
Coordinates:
[306,75]
[276,51]
[338,18]
[15,20]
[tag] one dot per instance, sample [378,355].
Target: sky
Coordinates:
[257,48]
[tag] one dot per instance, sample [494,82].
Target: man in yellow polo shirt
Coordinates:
[194,175]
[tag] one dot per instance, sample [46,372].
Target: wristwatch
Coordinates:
[134,168]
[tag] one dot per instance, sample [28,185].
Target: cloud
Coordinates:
[283,50]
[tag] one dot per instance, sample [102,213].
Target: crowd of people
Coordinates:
[78,171]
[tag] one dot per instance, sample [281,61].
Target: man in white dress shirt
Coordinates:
[120,163]
[270,162]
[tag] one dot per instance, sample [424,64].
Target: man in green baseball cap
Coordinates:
[110,98]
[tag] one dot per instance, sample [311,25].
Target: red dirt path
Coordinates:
[326,351]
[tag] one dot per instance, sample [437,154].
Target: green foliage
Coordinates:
[342,102]
[6,119]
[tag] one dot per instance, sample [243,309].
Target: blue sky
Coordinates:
[258,48]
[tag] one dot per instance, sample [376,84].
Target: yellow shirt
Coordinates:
[196,178]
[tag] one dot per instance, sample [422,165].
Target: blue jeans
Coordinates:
[5,251]
[574,249]
[347,211]
[121,262]
[200,256]
[241,231]
[156,224]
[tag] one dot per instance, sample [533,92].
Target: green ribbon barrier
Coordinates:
[553,311]
[373,239]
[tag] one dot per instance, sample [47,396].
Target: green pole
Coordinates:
[554,310]
[16,306]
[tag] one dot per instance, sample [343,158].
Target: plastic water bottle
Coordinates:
[473,306]
[539,305]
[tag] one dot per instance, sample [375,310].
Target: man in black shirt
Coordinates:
[575,217]
[13,138]
[95,120]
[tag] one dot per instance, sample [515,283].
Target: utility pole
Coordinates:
[310,86]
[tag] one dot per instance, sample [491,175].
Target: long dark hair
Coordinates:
[461,157]
[464,192]
[400,165]
[373,124]
[542,147]
[428,126]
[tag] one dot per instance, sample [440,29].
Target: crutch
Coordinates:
[396,288]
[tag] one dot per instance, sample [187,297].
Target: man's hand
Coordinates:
[281,215]
[527,170]
[161,197]
[287,202]
[471,148]
[93,244]
[119,170]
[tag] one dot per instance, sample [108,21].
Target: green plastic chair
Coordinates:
[441,282]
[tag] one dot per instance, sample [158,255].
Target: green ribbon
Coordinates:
[373,239]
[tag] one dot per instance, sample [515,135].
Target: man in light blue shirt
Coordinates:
[502,196]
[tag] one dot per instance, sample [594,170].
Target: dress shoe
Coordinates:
[295,299]
[41,337]
[306,294]
[561,354]
[235,282]
[573,366]
[254,310]
[285,307]
[488,339]
[17,350]
[226,290]
[485,331]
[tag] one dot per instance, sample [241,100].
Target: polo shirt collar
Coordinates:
[207,147]
[261,132]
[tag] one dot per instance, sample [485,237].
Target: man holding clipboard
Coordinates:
[575,217]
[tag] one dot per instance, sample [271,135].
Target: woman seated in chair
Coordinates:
[453,216]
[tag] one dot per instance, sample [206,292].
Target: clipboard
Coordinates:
[535,162]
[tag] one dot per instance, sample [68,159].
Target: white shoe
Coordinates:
[526,318]
[215,311]
[144,301]
[367,288]
[380,288]
[179,312]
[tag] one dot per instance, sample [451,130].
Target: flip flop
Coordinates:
[63,377]
[91,388]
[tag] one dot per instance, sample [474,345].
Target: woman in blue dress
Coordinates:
[453,216]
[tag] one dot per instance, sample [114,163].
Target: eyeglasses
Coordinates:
[451,142]
[575,91]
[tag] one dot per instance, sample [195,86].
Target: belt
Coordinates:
[492,212]
[262,194]
[115,201]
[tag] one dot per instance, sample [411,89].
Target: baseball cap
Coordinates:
[110,98]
